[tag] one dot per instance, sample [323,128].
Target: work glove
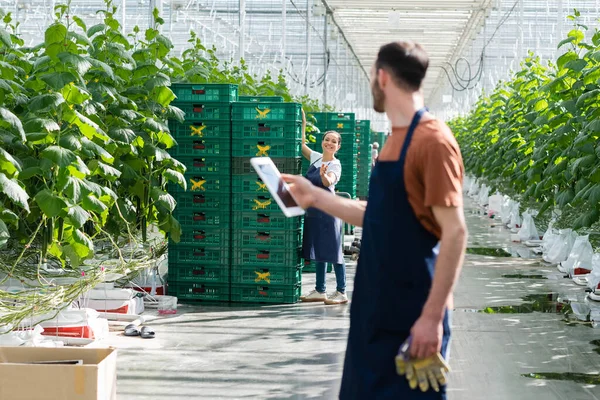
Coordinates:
[429,373]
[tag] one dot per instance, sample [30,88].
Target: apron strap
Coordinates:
[313,163]
[411,130]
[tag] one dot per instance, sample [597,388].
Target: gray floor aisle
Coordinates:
[297,351]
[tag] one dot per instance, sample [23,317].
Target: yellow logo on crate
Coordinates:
[261,205]
[197,131]
[260,276]
[198,185]
[340,126]
[261,187]
[263,150]
[262,114]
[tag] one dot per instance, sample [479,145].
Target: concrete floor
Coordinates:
[297,351]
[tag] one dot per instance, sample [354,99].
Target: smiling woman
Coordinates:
[322,241]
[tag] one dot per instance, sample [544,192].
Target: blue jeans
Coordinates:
[340,276]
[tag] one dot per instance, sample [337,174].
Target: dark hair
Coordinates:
[407,63]
[335,133]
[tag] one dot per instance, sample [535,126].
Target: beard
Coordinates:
[378,97]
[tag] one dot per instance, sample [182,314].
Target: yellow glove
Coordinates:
[429,373]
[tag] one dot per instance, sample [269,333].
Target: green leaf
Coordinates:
[59,155]
[594,195]
[163,199]
[78,216]
[8,164]
[171,226]
[14,192]
[4,234]
[104,170]
[162,95]
[92,203]
[83,239]
[565,58]
[576,65]
[75,95]
[565,197]
[50,204]
[12,122]
[94,149]
[81,64]
[58,80]
[79,22]
[95,29]
[56,33]
[176,177]
[46,102]
[577,35]
[5,38]
[124,135]
[41,124]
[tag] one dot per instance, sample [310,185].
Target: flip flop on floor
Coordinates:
[131,330]
[146,332]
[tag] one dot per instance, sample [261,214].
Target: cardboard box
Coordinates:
[96,379]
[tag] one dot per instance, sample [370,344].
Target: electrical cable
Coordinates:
[466,83]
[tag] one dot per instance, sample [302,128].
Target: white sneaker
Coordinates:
[337,298]
[313,297]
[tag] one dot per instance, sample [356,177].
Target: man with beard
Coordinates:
[414,235]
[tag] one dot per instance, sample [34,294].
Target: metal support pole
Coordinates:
[338,66]
[325,60]
[283,30]
[124,15]
[308,45]
[242,28]
[521,40]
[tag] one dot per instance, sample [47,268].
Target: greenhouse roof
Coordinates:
[443,27]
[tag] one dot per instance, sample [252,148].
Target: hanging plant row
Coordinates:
[535,137]
[84,139]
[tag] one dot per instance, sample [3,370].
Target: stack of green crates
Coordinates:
[199,266]
[364,159]
[266,264]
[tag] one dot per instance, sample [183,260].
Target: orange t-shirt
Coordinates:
[433,170]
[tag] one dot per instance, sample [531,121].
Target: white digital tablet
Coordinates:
[268,172]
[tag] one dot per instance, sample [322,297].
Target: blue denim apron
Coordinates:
[393,279]
[322,235]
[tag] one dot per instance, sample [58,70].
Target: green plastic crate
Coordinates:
[288,148]
[248,183]
[207,255]
[347,127]
[194,291]
[204,92]
[203,218]
[266,275]
[256,293]
[267,257]
[288,165]
[249,202]
[201,147]
[319,119]
[340,117]
[277,239]
[266,111]
[205,237]
[265,221]
[194,272]
[261,99]
[202,201]
[267,130]
[201,129]
[204,111]
[210,165]
[205,183]
[363,125]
